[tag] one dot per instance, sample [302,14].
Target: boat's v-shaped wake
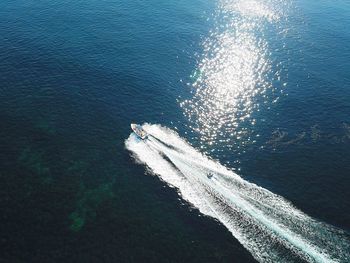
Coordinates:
[271,228]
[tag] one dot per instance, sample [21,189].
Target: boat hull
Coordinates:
[139,131]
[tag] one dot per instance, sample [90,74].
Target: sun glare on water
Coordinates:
[233,70]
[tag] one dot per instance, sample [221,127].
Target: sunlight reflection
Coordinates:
[232,71]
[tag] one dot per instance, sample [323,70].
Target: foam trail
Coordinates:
[271,228]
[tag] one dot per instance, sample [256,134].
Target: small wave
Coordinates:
[266,224]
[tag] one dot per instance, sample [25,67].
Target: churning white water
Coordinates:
[266,224]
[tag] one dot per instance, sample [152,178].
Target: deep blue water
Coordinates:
[75,74]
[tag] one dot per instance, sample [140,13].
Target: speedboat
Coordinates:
[139,131]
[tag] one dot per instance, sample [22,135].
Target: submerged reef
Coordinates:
[34,161]
[87,203]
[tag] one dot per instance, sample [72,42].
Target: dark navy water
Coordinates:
[75,74]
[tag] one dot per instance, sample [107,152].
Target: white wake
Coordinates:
[270,227]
